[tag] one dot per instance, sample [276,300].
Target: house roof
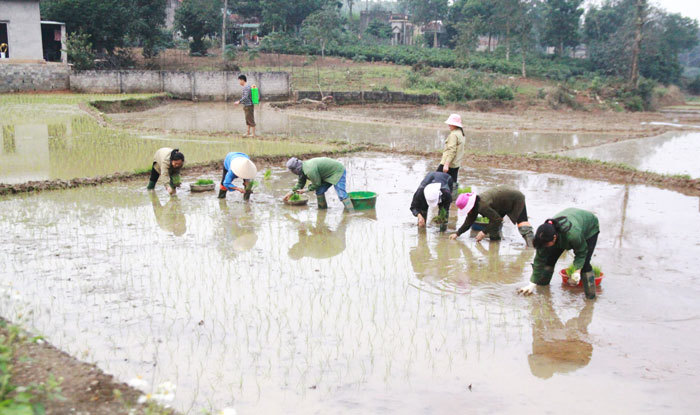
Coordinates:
[52,22]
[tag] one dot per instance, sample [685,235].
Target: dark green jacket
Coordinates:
[319,170]
[494,204]
[583,225]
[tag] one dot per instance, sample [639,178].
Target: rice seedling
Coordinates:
[204,182]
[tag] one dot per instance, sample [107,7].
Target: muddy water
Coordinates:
[79,147]
[221,117]
[274,309]
[670,153]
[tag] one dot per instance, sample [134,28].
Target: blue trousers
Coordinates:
[339,188]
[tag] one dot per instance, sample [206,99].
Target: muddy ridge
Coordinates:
[59,184]
[86,388]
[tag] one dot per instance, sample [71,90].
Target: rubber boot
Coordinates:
[348,205]
[322,201]
[588,280]
[222,192]
[151,185]
[527,234]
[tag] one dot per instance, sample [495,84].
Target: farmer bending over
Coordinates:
[494,204]
[572,228]
[166,162]
[236,165]
[435,190]
[323,173]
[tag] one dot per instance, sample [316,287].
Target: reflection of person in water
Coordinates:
[169,216]
[319,241]
[448,265]
[559,347]
[238,230]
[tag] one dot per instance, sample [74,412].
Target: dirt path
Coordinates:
[86,388]
[533,120]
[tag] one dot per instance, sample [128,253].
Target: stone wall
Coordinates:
[202,85]
[370,97]
[21,77]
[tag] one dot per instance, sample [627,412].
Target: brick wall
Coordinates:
[22,77]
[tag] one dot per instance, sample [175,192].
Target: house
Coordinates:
[402,30]
[432,30]
[24,37]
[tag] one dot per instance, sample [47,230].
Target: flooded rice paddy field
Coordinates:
[228,118]
[669,153]
[276,309]
[62,144]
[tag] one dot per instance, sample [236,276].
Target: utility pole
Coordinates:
[223,31]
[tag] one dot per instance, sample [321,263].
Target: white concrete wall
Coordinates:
[202,85]
[23,28]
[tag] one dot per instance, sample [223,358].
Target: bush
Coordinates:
[504,93]
[359,58]
[79,51]
[634,103]
[694,86]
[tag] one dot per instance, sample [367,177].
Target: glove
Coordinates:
[528,289]
[574,279]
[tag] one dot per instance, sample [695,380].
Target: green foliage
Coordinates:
[597,271]
[204,182]
[467,189]
[482,219]
[252,184]
[322,27]
[79,51]
[441,217]
[22,400]
[379,29]
[197,19]
[294,197]
[143,170]
[111,23]
[570,270]
[268,174]
[562,19]
[694,86]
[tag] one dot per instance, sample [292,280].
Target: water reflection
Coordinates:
[169,217]
[237,229]
[318,240]
[558,347]
[458,266]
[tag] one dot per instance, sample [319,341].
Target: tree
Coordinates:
[467,36]
[350,4]
[562,21]
[286,16]
[148,26]
[379,29]
[106,22]
[321,27]
[640,16]
[426,11]
[197,19]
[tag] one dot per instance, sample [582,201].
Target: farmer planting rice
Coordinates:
[454,148]
[435,190]
[323,173]
[166,162]
[571,228]
[236,165]
[494,204]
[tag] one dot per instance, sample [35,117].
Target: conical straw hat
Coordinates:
[243,168]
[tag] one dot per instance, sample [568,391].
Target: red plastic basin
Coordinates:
[565,278]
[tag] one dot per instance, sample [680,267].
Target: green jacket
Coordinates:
[318,171]
[583,225]
[497,202]
[454,149]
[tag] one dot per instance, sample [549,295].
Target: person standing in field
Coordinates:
[453,153]
[248,108]
[571,228]
[166,162]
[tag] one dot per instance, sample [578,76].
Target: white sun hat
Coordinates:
[455,120]
[432,194]
[243,168]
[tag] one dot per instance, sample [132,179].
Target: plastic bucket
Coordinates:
[363,200]
[565,278]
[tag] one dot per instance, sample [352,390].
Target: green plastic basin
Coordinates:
[363,200]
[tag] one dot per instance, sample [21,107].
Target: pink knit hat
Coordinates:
[465,202]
